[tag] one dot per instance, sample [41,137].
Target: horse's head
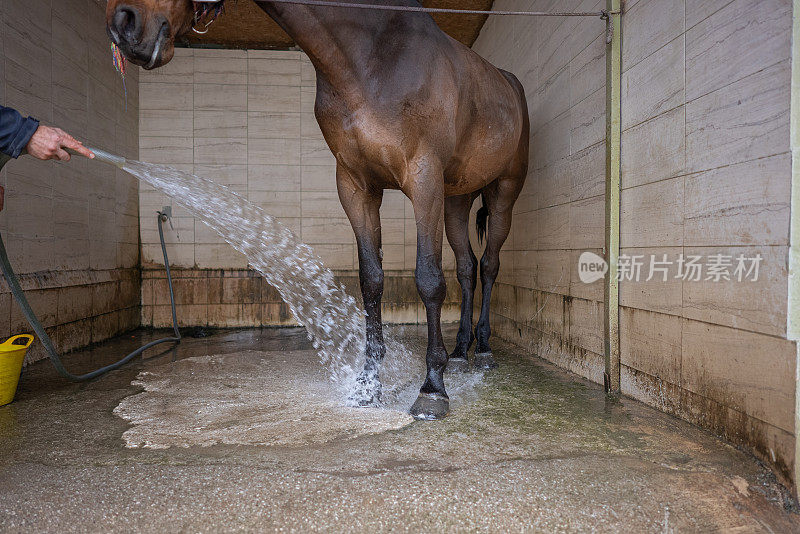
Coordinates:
[145,30]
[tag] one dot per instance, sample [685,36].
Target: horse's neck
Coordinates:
[338,41]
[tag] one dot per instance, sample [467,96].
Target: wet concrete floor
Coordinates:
[220,434]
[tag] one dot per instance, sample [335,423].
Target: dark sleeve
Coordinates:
[15,131]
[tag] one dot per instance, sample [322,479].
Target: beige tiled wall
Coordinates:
[246,119]
[706,170]
[71,229]
[561,211]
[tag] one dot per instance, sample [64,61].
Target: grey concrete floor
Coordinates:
[526,447]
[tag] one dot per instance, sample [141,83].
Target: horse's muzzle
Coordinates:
[142,44]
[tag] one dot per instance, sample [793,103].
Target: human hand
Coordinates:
[49,143]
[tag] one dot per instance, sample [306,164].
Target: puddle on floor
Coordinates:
[245,398]
[269,398]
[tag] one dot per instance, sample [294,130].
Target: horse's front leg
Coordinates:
[362,205]
[427,197]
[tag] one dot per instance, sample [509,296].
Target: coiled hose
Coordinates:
[22,302]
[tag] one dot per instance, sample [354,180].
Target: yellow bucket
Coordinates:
[12,354]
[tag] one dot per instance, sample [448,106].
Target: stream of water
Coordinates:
[333,319]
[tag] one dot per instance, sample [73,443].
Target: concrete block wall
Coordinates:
[71,229]
[706,171]
[246,119]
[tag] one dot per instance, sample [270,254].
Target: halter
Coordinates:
[208,11]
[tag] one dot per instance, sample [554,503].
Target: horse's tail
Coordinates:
[482,219]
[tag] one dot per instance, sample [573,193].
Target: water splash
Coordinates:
[333,319]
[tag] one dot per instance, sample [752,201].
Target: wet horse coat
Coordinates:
[401,106]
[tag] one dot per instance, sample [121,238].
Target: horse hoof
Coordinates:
[484,361]
[430,406]
[367,392]
[457,365]
[364,398]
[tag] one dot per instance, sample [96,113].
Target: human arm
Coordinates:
[42,142]
[15,131]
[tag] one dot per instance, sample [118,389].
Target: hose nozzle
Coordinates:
[105,157]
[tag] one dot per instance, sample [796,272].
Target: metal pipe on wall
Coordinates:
[611,377]
[793,300]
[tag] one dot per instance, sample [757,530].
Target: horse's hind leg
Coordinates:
[499,197]
[362,206]
[456,223]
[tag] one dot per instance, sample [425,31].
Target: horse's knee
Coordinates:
[431,285]
[371,284]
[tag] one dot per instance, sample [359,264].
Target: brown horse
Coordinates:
[401,106]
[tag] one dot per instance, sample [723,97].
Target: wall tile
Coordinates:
[165,123]
[587,171]
[652,214]
[588,122]
[578,288]
[587,223]
[699,10]
[551,143]
[230,175]
[273,152]
[282,125]
[230,124]
[755,301]
[322,205]
[736,41]
[273,98]
[745,120]
[651,342]
[220,256]
[274,178]
[268,71]
[167,150]
[316,152]
[336,256]
[732,68]
[320,178]
[166,96]
[220,97]
[655,149]
[749,372]
[552,99]
[220,151]
[588,71]
[327,231]
[654,86]
[586,325]
[277,203]
[643,35]
[221,67]
[743,204]
[179,70]
[554,229]
[647,288]
[552,184]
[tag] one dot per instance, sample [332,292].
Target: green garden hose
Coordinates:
[22,302]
